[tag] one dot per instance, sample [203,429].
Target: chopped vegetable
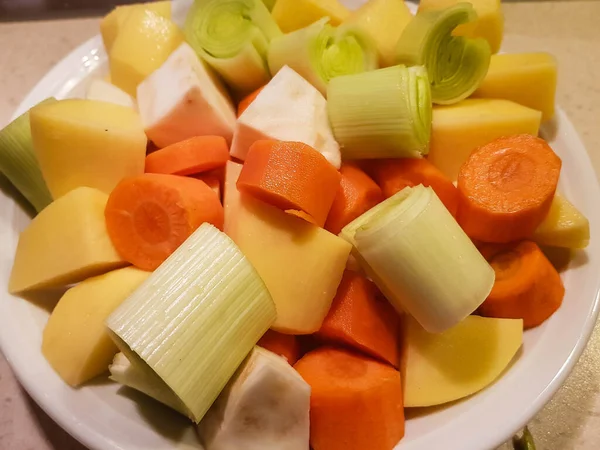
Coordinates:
[245,102]
[563,226]
[19,163]
[525,442]
[356,403]
[149,216]
[321,52]
[359,319]
[265,406]
[356,194]
[183,99]
[233,37]
[419,257]
[287,109]
[384,113]
[189,157]
[213,179]
[195,318]
[292,15]
[393,175]
[441,368]
[73,227]
[87,143]
[106,92]
[527,285]
[284,345]
[455,65]
[506,188]
[75,341]
[291,176]
[525,78]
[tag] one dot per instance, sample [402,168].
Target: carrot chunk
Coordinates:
[189,157]
[356,403]
[149,216]
[291,176]
[214,179]
[245,102]
[285,345]
[506,188]
[527,285]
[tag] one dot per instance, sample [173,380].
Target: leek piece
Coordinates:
[265,406]
[194,320]
[424,262]
[19,163]
[269,4]
[321,52]
[233,37]
[385,113]
[456,65]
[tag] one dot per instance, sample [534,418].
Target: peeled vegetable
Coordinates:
[456,65]
[292,15]
[321,52]
[440,368]
[107,92]
[421,259]
[564,226]
[264,407]
[384,113]
[195,319]
[233,37]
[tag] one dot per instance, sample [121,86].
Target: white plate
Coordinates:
[105,418]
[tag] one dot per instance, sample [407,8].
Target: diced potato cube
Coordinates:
[292,15]
[564,226]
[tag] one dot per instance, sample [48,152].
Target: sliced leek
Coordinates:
[384,113]
[19,163]
[320,52]
[456,64]
[233,37]
[194,320]
[423,261]
[265,406]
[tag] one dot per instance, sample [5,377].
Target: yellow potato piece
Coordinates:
[113,21]
[144,42]
[75,341]
[564,226]
[292,15]
[66,243]
[489,25]
[459,129]
[87,143]
[440,368]
[525,78]
[300,263]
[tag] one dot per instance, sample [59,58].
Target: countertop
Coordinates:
[567,29]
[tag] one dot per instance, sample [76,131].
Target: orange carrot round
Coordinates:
[393,175]
[149,216]
[356,403]
[285,345]
[527,285]
[356,194]
[291,176]
[214,179]
[189,157]
[245,102]
[358,318]
[506,188]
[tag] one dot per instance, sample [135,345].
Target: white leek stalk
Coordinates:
[233,37]
[195,319]
[265,406]
[423,261]
[320,52]
[456,64]
[384,113]
[19,163]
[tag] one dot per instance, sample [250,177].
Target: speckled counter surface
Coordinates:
[568,29]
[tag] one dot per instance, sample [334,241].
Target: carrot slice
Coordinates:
[527,285]
[189,157]
[506,188]
[285,345]
[356,194]
[360,319]
[290,176]
[245,102]
[356,403]
[393,175]
[214,179]
[149,216]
